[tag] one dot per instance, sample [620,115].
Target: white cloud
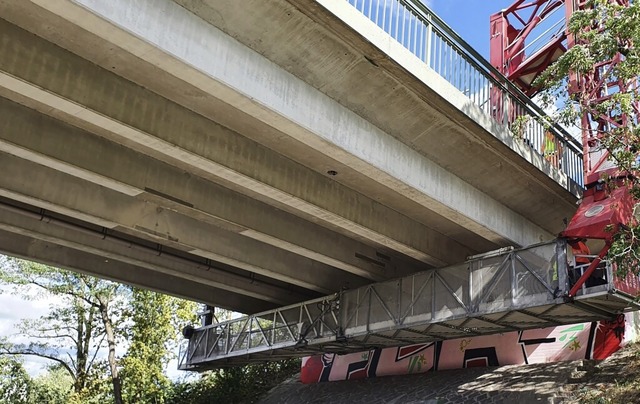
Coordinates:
[13,308]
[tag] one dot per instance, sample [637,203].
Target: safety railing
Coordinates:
[505,290]
[600,277]
[283,327]
[425,35]
[501,282]
[498,282]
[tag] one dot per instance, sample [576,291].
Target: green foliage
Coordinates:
[519,126]
[73,332]
[600,33]
[625,251]
[15,383]
[53,387]
[17,387]
[156,319]
[144,380]
[73,322]
[148,321]
[99,388]
[245,384]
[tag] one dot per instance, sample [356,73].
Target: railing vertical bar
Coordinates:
[433,295]
[416,28]
[420,45]
[428,44]
[414,34]
[403,27]
[395,19]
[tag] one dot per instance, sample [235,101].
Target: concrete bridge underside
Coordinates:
[248,156]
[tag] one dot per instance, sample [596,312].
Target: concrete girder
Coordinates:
[174,41]
[113,246]
[100,161]
[245,166]
[44,187]
[33,249]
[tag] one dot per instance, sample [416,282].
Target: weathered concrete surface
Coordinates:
[396,92]
[266,84]
[116,256]
[17,244]
[204,133]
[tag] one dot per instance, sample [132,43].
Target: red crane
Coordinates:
[606,206]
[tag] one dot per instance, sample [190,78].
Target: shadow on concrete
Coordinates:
[506,384]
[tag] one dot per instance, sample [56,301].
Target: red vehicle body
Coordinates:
[607,205]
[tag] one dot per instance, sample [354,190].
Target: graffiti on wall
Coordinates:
[595,340]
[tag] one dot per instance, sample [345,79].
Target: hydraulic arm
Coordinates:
[528,37]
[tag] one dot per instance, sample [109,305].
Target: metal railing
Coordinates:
[495,283]
[505,290]
[436,304]
[289,326]
[425,35]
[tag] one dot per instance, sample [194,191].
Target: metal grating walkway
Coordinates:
[502,291]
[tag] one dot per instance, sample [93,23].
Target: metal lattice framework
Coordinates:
[595,90]
[514,54]
[498,292]
[283,328]
[605,208]
[519,57]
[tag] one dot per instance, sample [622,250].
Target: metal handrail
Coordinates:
[424,34]
[290,326]
[483,285]
[506,290]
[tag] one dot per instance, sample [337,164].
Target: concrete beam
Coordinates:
[173,41]
[44,187]
[256,85]
[113,246]
[49,253]
[100,161]
[52,27]
[352,60]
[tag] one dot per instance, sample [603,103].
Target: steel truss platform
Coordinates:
[502,291]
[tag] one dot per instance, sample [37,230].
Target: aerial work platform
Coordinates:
[506,290]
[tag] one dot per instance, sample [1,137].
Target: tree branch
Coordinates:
[30,352]
[73,362]
[95,353]
[50,336]
[58,292]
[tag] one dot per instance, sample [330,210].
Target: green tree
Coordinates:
[92,316]
[15,383]
[53,387]
[75,329]
[602,32]
[246,384]
[152,331]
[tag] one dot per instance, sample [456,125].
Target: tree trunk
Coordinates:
[111,341]
[81,358]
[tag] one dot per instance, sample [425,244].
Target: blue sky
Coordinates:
[469,18]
